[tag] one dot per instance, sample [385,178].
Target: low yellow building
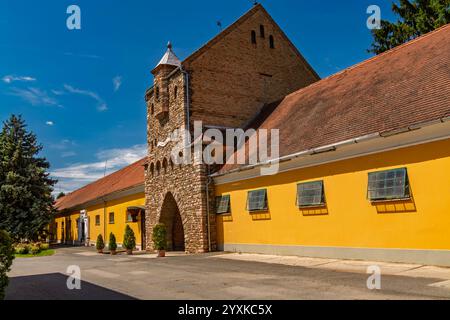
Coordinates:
[364,166]
[103,207]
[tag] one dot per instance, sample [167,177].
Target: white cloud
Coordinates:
[77,175]
[50,123]
[117,82]
[63,145]
[67,154]
[10,78]
[35,96]
[58,92]
[101,105]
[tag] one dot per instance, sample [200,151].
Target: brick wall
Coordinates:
[231,78]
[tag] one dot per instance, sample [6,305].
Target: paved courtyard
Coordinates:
[218,276]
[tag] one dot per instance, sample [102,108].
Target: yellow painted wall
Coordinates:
[72,233]
[95,230]
[119,207]
[349,219]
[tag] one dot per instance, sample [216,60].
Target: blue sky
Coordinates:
[81,91]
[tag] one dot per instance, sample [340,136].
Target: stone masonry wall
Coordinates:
[186,183]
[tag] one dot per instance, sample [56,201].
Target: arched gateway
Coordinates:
[170,216]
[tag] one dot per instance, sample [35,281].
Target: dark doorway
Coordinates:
[142,215]
[170,216]
[83,232]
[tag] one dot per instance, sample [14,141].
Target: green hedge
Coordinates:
[6,258]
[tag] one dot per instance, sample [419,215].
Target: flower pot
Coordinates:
[129,252]
[113,252]
[100,251]
[161,253]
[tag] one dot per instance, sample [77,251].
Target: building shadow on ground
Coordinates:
[53,286]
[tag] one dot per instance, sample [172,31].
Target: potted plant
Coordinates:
[112,244]
[129,240]
[100,244]
[159,238]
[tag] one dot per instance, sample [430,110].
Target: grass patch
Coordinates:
[43,253]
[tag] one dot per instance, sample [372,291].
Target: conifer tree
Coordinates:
[416,17]
[26,202]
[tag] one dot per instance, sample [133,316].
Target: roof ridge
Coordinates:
[224,32]
[102,178]
[376,57]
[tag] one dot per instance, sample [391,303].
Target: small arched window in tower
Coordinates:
[253,37]
[158,168]
[157,93]
[165,164]
[152,109]
[175,92]
[262,31]
[152,169]
[272,42]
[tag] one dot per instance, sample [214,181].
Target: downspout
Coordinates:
[208,182]
[104,220]
[188,100]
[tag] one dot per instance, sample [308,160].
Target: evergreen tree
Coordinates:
[26,202]
[129,239]
[60,195]
[416,17]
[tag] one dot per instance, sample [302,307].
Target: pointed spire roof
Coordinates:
[169,58]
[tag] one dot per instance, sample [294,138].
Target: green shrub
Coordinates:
[35,249]
[6,258]
[22,248]
[159,236]
[129,239]
[112,242]
[44,246]
[100,245]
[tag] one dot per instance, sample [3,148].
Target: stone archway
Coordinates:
[171,217]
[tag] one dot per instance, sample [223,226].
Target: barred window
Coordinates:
[257,200]
[310,194]
[223,204]
[97,220]
[388,185]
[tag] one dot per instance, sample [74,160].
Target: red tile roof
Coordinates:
[126,178]
[407,85]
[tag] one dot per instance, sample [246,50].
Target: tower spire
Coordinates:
[169,57]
